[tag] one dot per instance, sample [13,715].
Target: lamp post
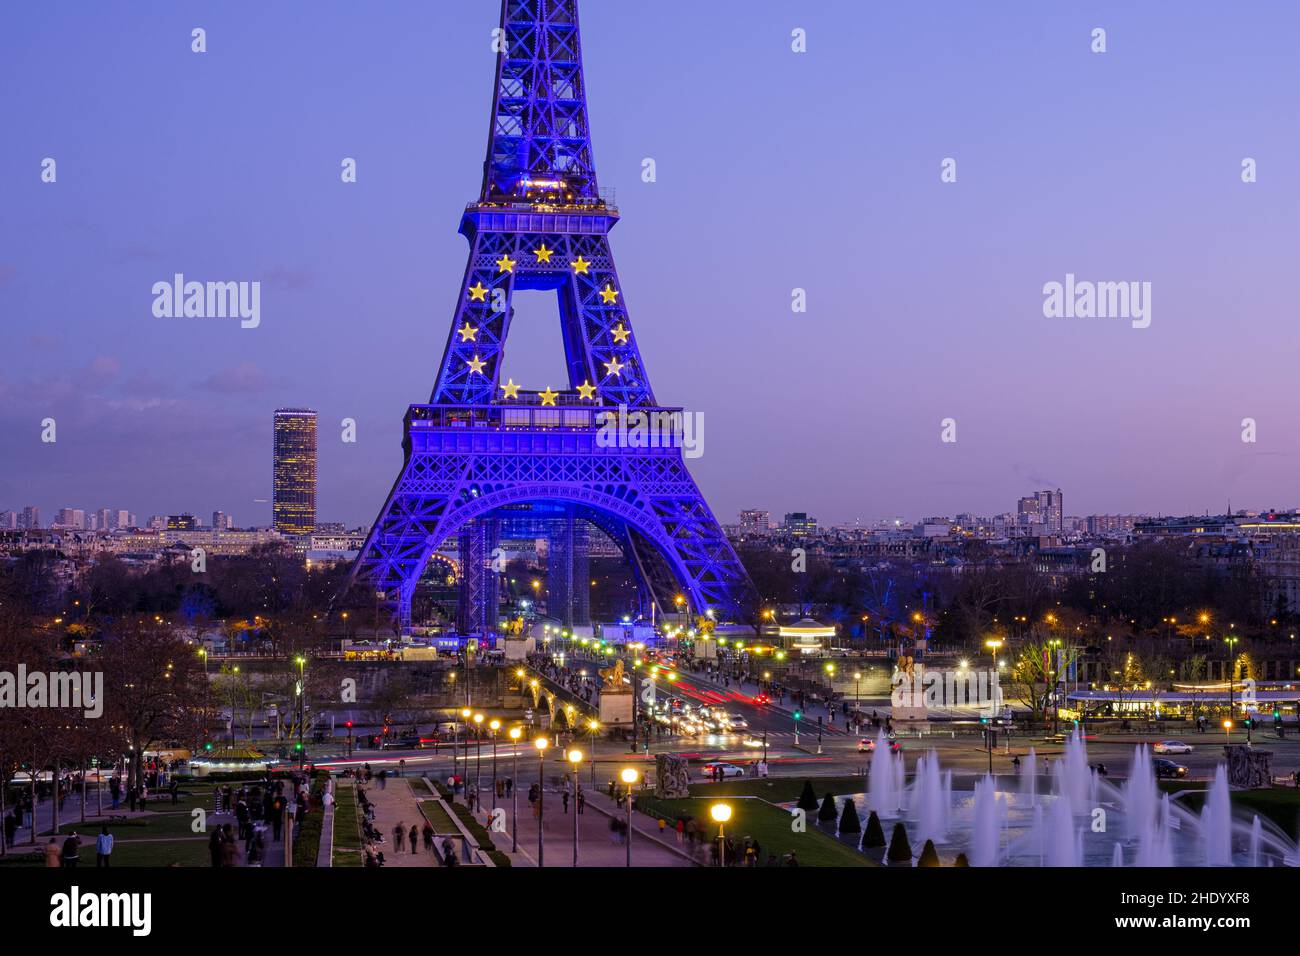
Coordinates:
[540,743]
[575,758]
[515,734]
[494,726]
[593,725]
[721,813]
[1231,642]
[478,761]
[993,644]
[302,673]
[465,715]
[629,776]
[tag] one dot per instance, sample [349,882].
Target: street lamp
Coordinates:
[1232,670]
[302,671]
[629,776]
[721,813]
[494,725]
[478,760]
[593,725]
[515,734]
[465,715]
[540,743]
[575,758]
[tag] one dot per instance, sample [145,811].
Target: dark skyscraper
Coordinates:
[294,499]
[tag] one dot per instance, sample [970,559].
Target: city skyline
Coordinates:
[190,396]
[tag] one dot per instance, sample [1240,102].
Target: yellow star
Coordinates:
[476,365]
[620,334]
[543,254]
[609,295]
[467,333]
[614,366]
[586,390]
[511,389]
[581,265]
[478,292]
[548,397]
[506,264]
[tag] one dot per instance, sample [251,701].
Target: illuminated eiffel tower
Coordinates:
[483,453]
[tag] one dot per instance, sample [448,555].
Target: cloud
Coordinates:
[244,377]
[103,369]
[292,280]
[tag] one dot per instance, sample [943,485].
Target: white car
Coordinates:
[1171,747]
[724,770]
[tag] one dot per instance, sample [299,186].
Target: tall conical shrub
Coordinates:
[961,860]
[849,822]
[929,855]
[900,850]
[873,838]
[807,799]
[827,813]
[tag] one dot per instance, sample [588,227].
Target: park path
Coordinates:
[596,844]
[394,803]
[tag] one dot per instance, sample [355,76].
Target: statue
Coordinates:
[613,675]
[672,777]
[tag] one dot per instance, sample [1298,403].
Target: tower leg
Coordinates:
[477,610]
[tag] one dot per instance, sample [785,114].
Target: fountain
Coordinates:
[1084,821]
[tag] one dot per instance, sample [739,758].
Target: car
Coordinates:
[1171,747]
[724,769]
[1167,768]
[762,699]
[868,746]
[736,722]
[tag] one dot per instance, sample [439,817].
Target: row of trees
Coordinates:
[1143,586]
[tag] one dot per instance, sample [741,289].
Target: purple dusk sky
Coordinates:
[776,170]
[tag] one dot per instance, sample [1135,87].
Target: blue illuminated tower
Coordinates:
[485,452]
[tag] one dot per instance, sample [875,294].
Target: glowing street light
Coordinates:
[721,813]
[629,776]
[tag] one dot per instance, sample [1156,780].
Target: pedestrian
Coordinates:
[52,853]
[510,787]
[414,837]
[277,817]
[565,797]
[255,855]
[399,834]
[72,850]
[103,847]
[383,780]
[229,847]
[662,825]
[582,799]
[115,790]
[401,767]
[428,836]
[214,847]
[681,830]
[11,825]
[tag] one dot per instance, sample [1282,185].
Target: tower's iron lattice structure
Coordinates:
[482,448]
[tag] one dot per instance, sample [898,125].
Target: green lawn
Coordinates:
[438,817]
[768,824]
[347,833]
[1279,804]
[779,789]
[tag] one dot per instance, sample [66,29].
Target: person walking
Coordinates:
[565,798]
[582,799]
[428,836]
[72,850]
[229,847]
[399,834]
[103,847]
[414,837]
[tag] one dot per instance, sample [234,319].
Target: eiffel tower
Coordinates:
[485,455]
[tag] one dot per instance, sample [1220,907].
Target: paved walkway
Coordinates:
[596,843]
[394,804]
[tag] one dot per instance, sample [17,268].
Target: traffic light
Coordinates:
[798,714]
[297,746]
[208,745]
